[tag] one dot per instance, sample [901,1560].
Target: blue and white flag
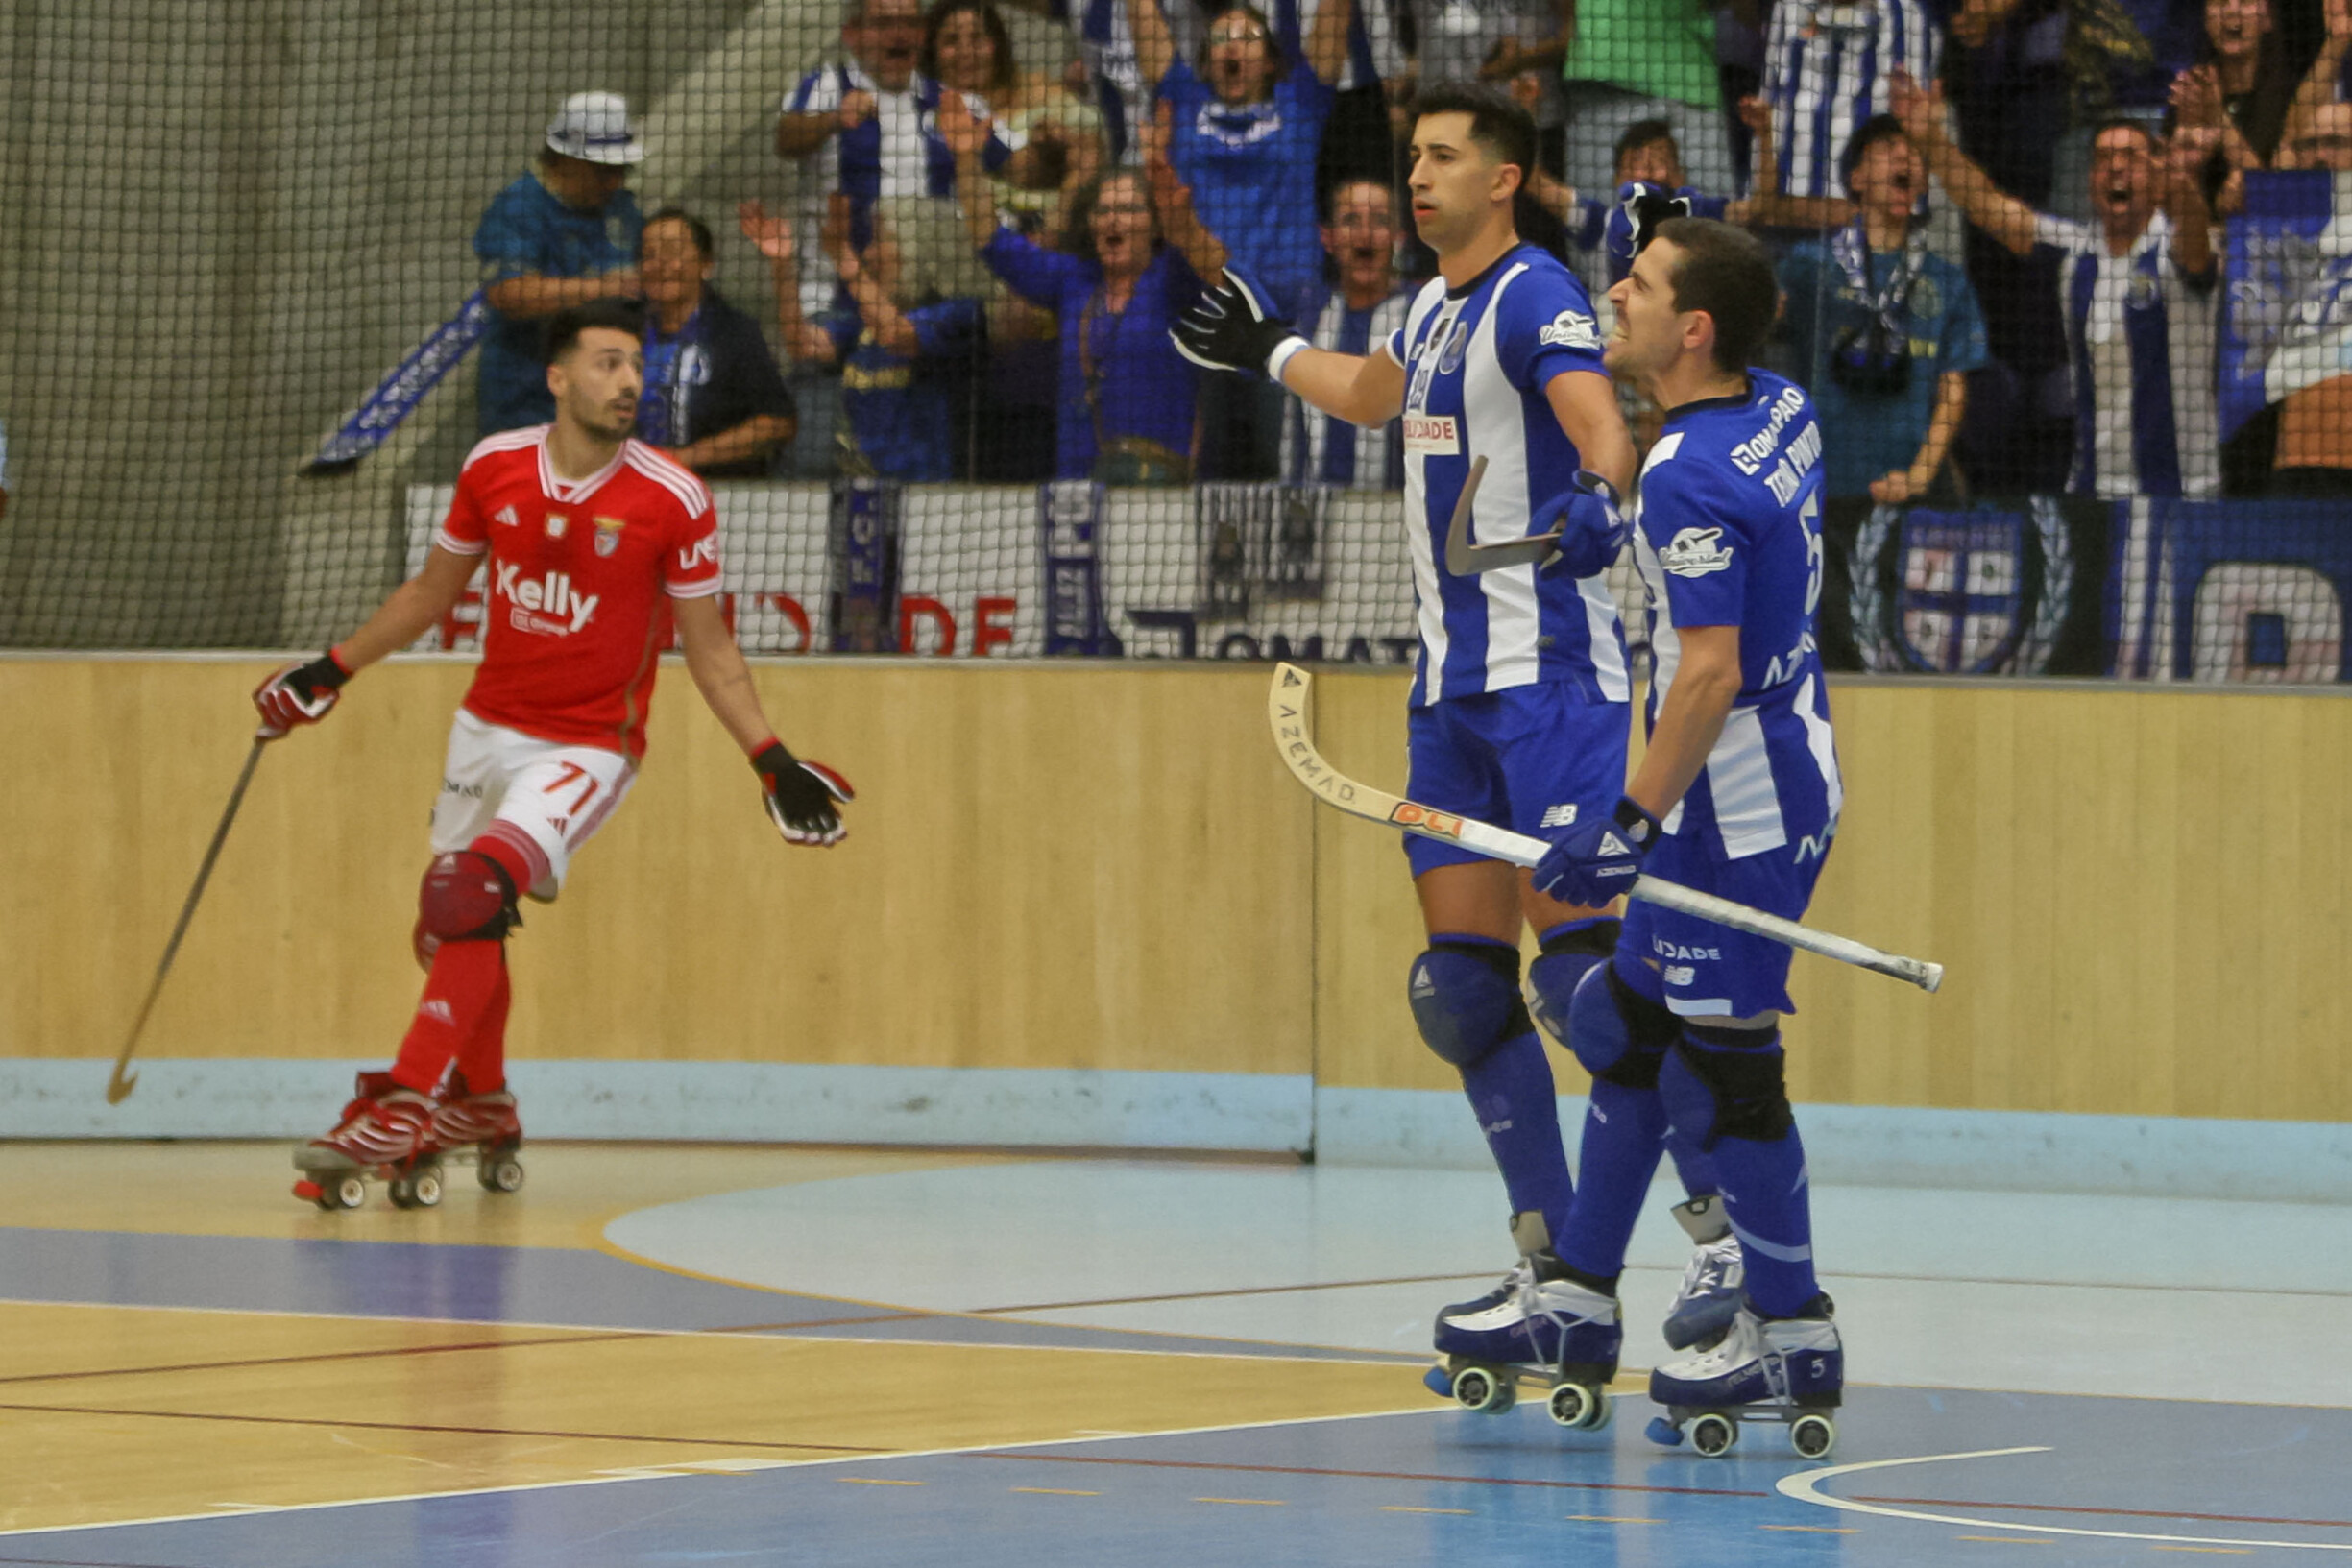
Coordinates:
[397,396]
[2287,324]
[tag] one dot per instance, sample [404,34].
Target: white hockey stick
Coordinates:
[1286,710]
[1465,559]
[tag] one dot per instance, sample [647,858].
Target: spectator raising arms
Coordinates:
[1884,332]
[874,124]
[561,236]
[1245,127]
[1364,304]
[1056,138]
[900,425]
[2241,88]
[1115,286]
[2137,289]
[712,397]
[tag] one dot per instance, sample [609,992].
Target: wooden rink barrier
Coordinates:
[2139,893]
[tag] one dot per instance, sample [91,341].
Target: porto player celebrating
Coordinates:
[593,542]
[1738,795]
[1520,708]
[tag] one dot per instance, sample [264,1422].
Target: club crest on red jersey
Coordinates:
[608,533]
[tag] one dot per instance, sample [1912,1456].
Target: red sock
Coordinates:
[465,993]
[482,1058]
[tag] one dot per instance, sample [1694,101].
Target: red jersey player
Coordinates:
[593,542]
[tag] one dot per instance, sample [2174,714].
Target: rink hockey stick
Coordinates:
[120,1085]
[1286,710]
[1465,559]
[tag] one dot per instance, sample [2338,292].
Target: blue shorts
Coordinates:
[1533,759]
[1711,970]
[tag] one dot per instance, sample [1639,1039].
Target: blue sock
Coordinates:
[1511,1089]
[1765,1194]
[1691,1163]
[1624,1134]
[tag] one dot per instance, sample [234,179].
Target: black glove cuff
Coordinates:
[773,761]
[323,673]
[1638,825]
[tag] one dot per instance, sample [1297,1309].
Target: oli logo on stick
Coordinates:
[1421,819]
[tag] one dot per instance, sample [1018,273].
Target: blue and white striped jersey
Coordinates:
[2140,338]
[1477,360]
[1827,67]
[1728,533]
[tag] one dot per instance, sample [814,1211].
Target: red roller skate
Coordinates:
[486,1129]
[383,1135]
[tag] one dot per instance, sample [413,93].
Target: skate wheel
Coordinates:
[1714,1434]
[1476,1388]
[500,1172]
[428,1187]
[1574,1406]
[348,1191]
[1813,1435]
[1439,1381]
[1664,1433]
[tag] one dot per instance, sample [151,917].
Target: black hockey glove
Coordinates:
[801,797]
[298,695]
[1232,328]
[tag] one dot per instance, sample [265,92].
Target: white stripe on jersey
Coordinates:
[1430,608]
[505,441]
[1371,469]
[1818,740]
[1827,67]
[669,474]
[1739,775]
[1495,425]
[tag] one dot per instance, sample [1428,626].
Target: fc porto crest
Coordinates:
[608,533]
[1963,590]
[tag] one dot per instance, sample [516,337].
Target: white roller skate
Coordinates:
[384,1134]
[1710,1295]
[1786,1369]
[1539,1328]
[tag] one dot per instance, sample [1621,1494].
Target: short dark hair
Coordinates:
[695,226]
[1727,273]
[1641,134]
[1497,122]
[2129,122]
[1008,75]
[1327,204]
[563,329]
[1868,133]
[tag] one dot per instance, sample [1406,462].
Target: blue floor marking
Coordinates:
[541,1285]
[1322,1494]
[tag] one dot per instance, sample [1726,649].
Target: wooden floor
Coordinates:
[1205,1365]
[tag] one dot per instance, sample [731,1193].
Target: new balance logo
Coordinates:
[1558,816]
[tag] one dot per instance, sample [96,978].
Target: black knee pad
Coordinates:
[1466,997]
[1623,1031]
[467,897]
[1728,1083]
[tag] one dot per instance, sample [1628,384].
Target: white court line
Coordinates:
[1804,1484]
[618,1477]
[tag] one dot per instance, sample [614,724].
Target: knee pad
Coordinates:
[1618,1033]
[1465,999]
[1727,1083]
[467,897]
[1569,953]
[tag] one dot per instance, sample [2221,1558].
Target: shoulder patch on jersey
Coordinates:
[1696,553]
[1571,329]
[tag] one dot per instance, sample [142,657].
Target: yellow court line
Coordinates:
[1054,1491]
[1248,1502]
[1399,1507]
[874,1481]
[1608,1519]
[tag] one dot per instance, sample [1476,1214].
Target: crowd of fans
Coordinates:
[2001,225]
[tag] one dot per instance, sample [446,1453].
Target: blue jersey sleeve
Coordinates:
[1689,517]
[1037,274]
[1544,328]
[506,239]
[950,328]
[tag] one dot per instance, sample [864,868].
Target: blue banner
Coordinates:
[397,396]
[2288,320]
[2255,590]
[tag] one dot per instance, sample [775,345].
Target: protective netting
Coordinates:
[2071,283]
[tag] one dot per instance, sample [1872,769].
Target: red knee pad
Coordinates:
[467,897]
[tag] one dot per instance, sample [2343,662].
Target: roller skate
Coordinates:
[485,1130]
[384,1134]
[1540,1329]
[1785,1370]
[1710,1295]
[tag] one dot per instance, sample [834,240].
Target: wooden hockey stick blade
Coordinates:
[1287,712]
[122,1081]
[1465,559]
